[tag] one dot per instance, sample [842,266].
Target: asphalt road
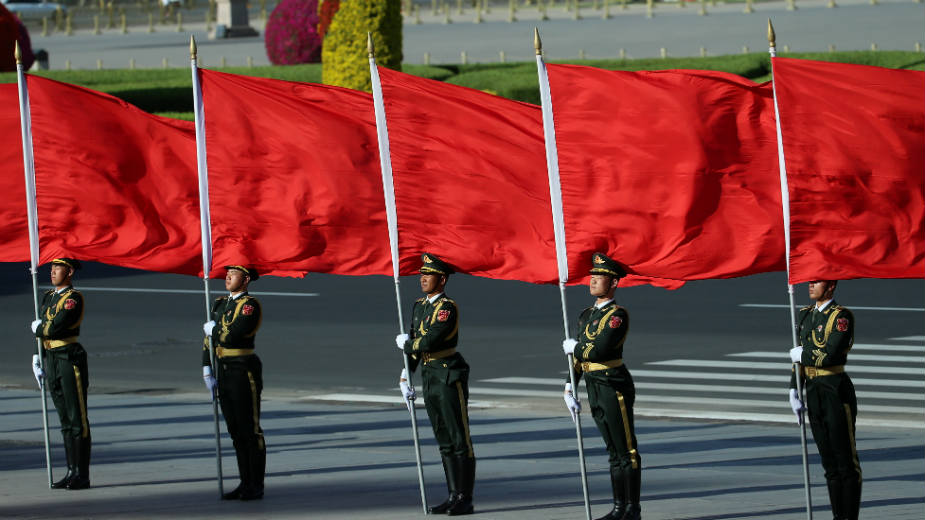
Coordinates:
[710,349]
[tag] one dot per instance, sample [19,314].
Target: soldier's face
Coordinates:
[60,274]
[601,285]
[821,290]
[431,283]
[235,280]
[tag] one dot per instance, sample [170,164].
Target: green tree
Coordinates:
[344,57]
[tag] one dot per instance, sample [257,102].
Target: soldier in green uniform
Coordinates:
[826,332]
[234,324]
[598,355]
[431,343]
[65,373]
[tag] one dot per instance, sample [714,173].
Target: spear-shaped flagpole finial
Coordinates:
[192,47]
[369,45]
[537,43]
[17,53]
[772,38]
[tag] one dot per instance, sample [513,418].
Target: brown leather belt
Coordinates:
[223,352]
[812,372]
[440,354]
[50,344]
[589,366]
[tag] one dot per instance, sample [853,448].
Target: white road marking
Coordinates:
[757,365]
[885,346]
[909,338]
[373,398]
[84,288]
[851,357]
[852,307]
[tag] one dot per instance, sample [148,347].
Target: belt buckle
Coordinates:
[810,372]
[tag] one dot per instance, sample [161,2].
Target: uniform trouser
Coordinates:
[833,409]
[446,396]
[67,381]
[240,384]
[612,410]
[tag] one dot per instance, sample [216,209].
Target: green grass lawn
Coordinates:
[167,91]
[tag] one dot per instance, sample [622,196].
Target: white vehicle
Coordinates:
[32,9]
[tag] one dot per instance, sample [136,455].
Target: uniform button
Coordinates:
[444,365]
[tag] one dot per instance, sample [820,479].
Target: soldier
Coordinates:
[826,332]
[234,324]
[432,344]
[65,362]
[598,354]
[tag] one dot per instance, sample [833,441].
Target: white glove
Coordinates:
[568,346]
[573,405]
[207,327]
[400,341]
[407,392]
[210,382]
[796,354]
[37,369]
[797,405]
[35,325]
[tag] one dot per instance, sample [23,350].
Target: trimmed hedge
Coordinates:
[344,58]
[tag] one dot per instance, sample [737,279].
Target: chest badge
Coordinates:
[615,322]
[443,315]
[247,310]
[819,328]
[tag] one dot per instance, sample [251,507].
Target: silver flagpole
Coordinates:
[388,188]
[206,228]
[785,203]
[25,120]
[555,195]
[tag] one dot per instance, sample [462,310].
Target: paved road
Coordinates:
[894,24]
[710,349]
[153,457]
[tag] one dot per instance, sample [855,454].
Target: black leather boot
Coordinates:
[257,462]
[835,498]
[82,460]
[451,487]
[71,466]
[633,512]
[235,493]
[463,505]
[633,479]
[851,498]
[618,485]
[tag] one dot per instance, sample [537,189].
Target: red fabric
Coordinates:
[470,180]
[294,179]
[14,233]
[672,173]
[113,184]
[854,146]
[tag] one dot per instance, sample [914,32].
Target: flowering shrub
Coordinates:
[344,58]
[291,35]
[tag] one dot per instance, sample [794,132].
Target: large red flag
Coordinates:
[14,233]
[114,184]
[672,172]
[854,145]
[469,170]
[294,179]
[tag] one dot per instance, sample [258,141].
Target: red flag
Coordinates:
[854,146]
[14,233]
[294,179]
[114,184]
[674,173]
[469,170]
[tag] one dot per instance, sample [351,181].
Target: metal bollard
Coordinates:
[748,7]
[511,11]
[463,58]
[650,6]
[150,22]
[663,52]
[131,63]
[622,53]
[96,24]
[164,63]
[426,58]
[124,24]
[223,62]
[250,62]
[99,64]
[67,64]
[501,57]
[703,52]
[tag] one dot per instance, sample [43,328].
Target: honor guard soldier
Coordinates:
[65,372]
[598,355]
[826,332]
[431,343]
[234,324]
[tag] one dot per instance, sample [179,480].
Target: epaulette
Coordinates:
[421,299]
[49,291]
[808,307]
[449,300]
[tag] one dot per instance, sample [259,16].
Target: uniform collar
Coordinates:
[434,298]
[603,304]
[236,296]
[59,291]
[822,307]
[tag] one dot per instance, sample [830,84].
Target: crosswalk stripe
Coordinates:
[776,366]
[851,357]
[888,347]
[853,308]
[909,338]
[685,387]
[726,376]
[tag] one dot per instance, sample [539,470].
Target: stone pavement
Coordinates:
[153,457]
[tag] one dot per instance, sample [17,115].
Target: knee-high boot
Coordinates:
[836,499]
[466,480]
[618,486]
[451,487]
[851,498]
[81,449]
[71,465]
[633,489]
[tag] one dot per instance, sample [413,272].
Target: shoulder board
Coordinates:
[249,298]
[49,291]
[221,298]
[75,291]
[808,307]
[449,300]
[421,299]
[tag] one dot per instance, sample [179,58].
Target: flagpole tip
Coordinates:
[192,47]
[17,53]
[537,43]
[772,38]
[369,45]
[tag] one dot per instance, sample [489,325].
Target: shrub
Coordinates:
[291,35]
[344,57]
[326,11]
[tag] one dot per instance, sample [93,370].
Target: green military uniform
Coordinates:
[611,393]
[432,344]
[66,376]
[240,383]
[826,337]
